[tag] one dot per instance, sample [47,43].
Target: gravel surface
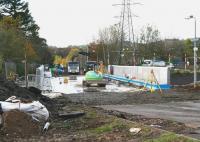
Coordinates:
[141,97]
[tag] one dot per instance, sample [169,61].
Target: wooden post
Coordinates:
[25,64]
[185,61]
[156,81]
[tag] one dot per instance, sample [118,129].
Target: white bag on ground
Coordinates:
[35,109]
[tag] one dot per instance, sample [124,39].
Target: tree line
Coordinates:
[148,44]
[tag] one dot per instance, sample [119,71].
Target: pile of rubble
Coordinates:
[24,112]
[18,124]
[9,88]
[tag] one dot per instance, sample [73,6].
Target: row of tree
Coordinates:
[148,45]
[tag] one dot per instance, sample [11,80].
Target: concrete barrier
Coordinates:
[141,73]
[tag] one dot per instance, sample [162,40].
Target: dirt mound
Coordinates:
[19,124]
[9,88]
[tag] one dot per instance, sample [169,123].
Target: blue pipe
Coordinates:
[136,82]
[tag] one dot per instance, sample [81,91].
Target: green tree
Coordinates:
[18,9]
[11,39]
[188,49]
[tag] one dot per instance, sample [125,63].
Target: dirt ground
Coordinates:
[183,78]
[98,125]
[176,94]
[161,122]
[181,93]
[18,124]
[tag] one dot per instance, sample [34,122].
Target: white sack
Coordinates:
[35,109]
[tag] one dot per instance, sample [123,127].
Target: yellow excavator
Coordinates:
[70,57]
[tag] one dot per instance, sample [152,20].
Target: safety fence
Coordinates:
[37,81]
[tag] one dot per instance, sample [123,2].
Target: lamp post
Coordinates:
[195,49]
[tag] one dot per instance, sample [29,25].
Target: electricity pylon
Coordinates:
[127,43]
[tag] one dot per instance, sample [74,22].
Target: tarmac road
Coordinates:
[184,112]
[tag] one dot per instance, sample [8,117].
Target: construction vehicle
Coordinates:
[94,79]
[73,68]
[90,66]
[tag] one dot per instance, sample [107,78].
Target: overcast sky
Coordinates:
[76,22]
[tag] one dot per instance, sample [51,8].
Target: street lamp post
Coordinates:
[195,49]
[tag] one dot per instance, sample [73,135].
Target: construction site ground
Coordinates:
[100,123]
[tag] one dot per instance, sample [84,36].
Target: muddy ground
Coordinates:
[176,94]
[98,125]
[181,93]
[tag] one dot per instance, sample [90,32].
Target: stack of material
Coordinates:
[35,109]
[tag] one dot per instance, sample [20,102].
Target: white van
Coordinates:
[155,63]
